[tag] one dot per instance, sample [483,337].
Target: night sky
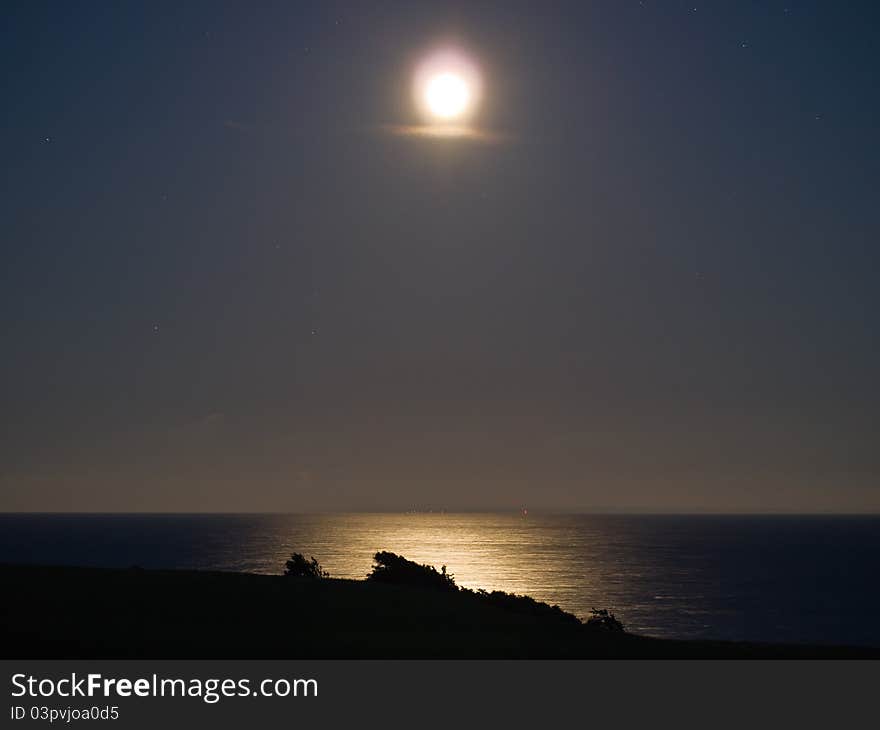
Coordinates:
[230,283]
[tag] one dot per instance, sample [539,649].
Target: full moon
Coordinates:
[447,87]
[447,95]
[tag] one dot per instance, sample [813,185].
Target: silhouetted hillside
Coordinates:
[58,612]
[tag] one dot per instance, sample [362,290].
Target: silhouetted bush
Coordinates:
[602,619]
[299,567]
[524,605]
[392,568]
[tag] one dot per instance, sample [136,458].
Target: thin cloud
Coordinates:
[435,131]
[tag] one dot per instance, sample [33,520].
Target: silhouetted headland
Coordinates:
[402,610]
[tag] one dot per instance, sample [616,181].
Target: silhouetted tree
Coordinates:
[602,619]
[391,568]
[299,567]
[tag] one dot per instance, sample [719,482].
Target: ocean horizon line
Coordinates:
[500,511]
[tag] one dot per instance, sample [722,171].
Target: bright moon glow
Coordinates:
[447,88]
[447,95]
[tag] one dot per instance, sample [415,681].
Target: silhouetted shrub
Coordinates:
[602,619]
[523,605]
[299,567]
[391,568]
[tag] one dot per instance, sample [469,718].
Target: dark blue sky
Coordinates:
[226,286]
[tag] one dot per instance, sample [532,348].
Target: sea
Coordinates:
[801,579]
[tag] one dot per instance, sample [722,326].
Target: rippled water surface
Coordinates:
[804,579]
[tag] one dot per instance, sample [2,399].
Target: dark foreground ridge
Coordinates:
[61,612]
